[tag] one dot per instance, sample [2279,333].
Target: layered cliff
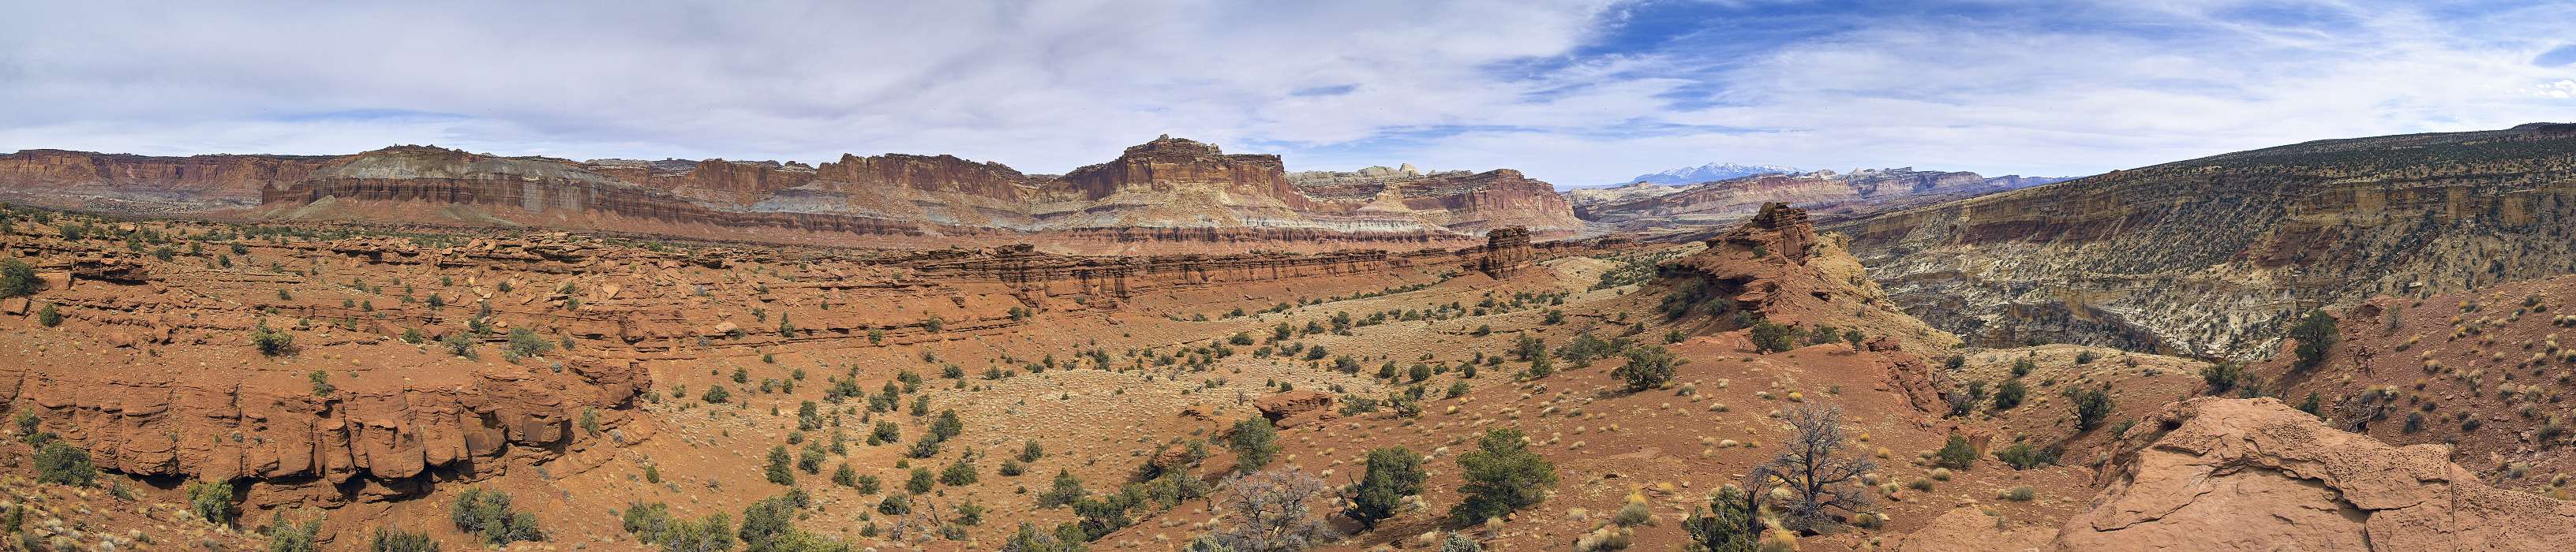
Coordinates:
[142,184]
[2213,256]
[1828,194]
[1166,190]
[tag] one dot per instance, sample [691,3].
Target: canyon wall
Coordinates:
[1168,190]
[2214,256]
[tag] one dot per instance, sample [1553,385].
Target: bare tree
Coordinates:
[1272,510]
[1816,470]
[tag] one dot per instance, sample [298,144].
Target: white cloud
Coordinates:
[1049,85]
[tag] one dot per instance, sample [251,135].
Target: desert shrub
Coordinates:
[458,343]
[2023,456]
[298,535]
[1772,337]
[2316,335]
[716,394]
[1648,367]
[1634,513]
[959,473]
[1957,453]
[713,533]
[1031,451]
[780,468]
[61,463]
[211,501]
[397,540]
[270,341]
[2017,494]
[2086,357]
[766,523]
[1393,473]
[1726,526]
[1460,542]
[16,279]
[2222,376]
[49,316]
[487,514]
[1254,441]
[919,481]
[1066,490]
[525,343]
[2023,366]
[2010,394]
[1502,476]
[2092,405]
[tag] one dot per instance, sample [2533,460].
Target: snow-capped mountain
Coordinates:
[1709,172]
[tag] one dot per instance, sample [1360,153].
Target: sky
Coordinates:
[1575,92]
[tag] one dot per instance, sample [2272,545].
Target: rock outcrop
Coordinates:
[1506,252]
[2214,256]
[2254,474]
[1775,267]
[1168,189]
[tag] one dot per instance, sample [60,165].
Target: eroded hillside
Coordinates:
[2215,256]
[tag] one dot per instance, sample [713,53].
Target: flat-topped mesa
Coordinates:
[1506,252]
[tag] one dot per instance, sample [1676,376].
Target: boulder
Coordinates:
[2254,474]
[1294,408]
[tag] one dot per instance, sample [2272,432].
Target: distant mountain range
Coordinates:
[1829,195]
[1709,172]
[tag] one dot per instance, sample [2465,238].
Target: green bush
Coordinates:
[294,536]
[2222,376]
[397,540]
[1957,453]
[2022,456]
[488,515]
[211,501]
[60,463]
[2092,405]
[1648,367]
[1254,442]
[1726,526]
[779,469]
[1502,476]
[958,474]
[2010,394]
[49,316]
[271,342]
[1772,337]
[2316,335]
[525,343]
[1393,473]
[16,279]
[1066,490]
